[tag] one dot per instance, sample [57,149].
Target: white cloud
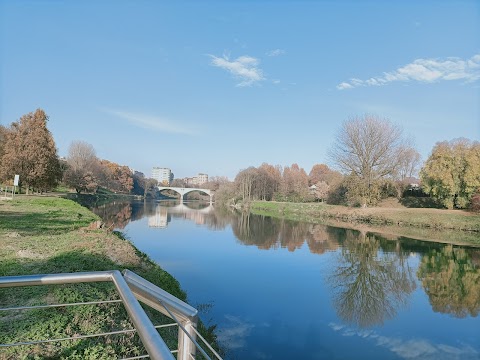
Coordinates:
[234,336]
[276,52]
[245,68]
[344,86]
[412,348]
[424,71]
[150,122]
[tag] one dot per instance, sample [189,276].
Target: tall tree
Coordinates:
[3,139]
[82,167]
[294,185]
[245,182]
[409,163]
[30,152]
[117,177]
[271,178]
[369,149]
[451,175]
[150,188]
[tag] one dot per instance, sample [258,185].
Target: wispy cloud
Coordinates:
[245,68]
[412,348]
[233,336]
[424,71]
[150,122]
[276,52]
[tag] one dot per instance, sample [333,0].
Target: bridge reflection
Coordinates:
[163,213]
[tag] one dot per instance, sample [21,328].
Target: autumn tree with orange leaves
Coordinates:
[29,151]
[116,177]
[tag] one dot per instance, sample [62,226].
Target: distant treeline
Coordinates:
[373,158]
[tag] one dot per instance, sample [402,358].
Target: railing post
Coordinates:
[186,347]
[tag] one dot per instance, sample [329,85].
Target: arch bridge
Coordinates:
[184,191]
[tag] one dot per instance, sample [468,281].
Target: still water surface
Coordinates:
[287,290]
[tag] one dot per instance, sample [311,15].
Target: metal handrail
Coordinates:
[208,345]
[130,288]
[182,313]
[151,339]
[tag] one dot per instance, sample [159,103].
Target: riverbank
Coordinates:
[54,235]
[449,226]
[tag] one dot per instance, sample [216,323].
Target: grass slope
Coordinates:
[50,235]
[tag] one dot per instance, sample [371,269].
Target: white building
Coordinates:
[198,180]
[201,179]
[162,175]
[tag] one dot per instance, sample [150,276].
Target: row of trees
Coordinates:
[376,161]
[291,183]
[27,148]
[374,157]
[86,173]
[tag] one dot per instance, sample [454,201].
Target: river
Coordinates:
[287,290]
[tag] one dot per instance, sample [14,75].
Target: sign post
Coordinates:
[15,184]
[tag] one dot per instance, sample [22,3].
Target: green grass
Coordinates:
[43,216]
[48,235]
[442,225]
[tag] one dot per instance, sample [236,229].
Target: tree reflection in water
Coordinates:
[451,278]
[116,214]
[270,233]
[372,279]
[369,286]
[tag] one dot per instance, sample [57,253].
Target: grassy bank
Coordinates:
[52,235]
[452,226]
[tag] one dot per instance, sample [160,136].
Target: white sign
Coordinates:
[15,181]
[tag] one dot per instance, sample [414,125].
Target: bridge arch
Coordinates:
[184,191]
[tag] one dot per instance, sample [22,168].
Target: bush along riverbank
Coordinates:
[54,235]
[451,226]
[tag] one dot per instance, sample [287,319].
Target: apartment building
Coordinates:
[162,175]
[198,180]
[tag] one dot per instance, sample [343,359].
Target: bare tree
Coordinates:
[82,167]
[409,163]
[81,155]
[245,182]
[214,182]
[178,183]
[368,148]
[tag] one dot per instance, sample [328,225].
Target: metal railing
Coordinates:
[131,289]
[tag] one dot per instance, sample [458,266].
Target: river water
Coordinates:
[287,290]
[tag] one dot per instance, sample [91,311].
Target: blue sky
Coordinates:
[217,86]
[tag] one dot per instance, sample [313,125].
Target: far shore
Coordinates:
[446,226]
